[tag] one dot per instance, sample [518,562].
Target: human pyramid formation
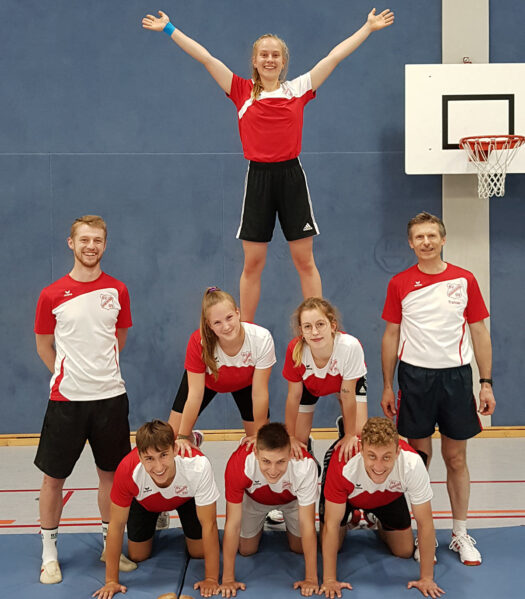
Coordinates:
[81,326]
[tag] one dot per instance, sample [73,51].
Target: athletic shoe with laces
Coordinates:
[124,564]
[197,438]
[369,521]
[464,545]
[416,551]
[274,518]
[163,521]
[354,521]
[50,573]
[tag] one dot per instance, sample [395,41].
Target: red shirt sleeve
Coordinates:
[124,489]
[235,481]
[240,90]
[392,311]
[336,487]
[290,372]
[124,316]
[476,308]
[194,361]
[45,320]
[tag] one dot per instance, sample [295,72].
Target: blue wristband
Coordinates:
[169,29]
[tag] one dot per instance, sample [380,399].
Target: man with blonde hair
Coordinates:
[378,480]
[81,327]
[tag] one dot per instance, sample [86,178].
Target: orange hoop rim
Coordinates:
[492,142]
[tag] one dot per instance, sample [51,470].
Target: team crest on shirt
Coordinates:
[107,301]
[454,292]
[332,368]
[246,357]
[395,486]
[181,490]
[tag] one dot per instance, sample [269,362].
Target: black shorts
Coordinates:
[69,424]
[142,523]
[441,396]
[361,387]
[276,188]
[242,397]
[393,516]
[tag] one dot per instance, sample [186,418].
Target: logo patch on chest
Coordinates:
[107,301]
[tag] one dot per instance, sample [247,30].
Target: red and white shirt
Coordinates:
[347,362]
[235,372]
[84,318]
[271,127]
[244,475]
[433,311]
[193,478]
[349,482]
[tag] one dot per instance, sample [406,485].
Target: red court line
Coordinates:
[67,497]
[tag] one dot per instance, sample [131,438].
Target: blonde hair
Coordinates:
[92,220]
[426,217]
[311,303]
[212,297]
[257,84]
[379,431]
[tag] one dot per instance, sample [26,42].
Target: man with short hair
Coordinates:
[258,480]
[153,479]
[378,479]
[81,327]
[427,310]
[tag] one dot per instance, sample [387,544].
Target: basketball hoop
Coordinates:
[491,155]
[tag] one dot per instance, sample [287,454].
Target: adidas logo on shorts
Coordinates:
[307,227]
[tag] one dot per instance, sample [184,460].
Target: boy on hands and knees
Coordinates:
[376,480]
[81,326]
[258,480]
[427,309]
[152,479]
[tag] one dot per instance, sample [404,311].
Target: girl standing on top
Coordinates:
[270,114]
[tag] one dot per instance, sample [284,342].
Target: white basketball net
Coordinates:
[491,155]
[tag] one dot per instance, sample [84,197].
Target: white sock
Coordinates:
[459,527]
[49,544]
[105,526]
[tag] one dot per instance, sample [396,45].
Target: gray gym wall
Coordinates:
[100,116]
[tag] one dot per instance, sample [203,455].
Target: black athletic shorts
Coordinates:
[69,424]
[276,188]
[441,396]
[361,386]
[393,516]
[242,397]
[142,523]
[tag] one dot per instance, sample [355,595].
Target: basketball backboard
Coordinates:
[445,102]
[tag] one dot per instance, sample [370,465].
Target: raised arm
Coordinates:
[323,69]
[389,348]
[218,70]
[483,353]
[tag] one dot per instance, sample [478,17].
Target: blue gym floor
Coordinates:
[364,562]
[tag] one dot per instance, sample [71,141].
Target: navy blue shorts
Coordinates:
[441,396]
[276,188]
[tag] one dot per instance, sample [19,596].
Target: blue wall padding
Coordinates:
[99,116]
[83,572]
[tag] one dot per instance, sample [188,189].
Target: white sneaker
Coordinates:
[50,573]
[416,551]
[124,564]
[464,545]
[369,521]
[197,438]
[163,521]
[274,518]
